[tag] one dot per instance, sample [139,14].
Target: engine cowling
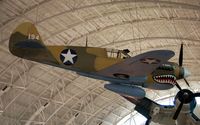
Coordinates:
[187,98]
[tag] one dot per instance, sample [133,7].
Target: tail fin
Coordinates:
[143,105]
[25,36]
[153,111]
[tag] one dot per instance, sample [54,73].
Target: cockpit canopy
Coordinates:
[115,53]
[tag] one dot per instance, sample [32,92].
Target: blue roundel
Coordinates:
[68,56]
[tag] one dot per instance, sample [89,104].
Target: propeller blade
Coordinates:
[177,85]
[196,94]
[187,82]
[148,122]
[178,111]
[181,55]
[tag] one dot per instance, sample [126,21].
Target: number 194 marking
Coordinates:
[33,36]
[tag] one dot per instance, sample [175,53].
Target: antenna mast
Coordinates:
[86,44]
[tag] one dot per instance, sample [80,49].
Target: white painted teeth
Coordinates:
[165,79]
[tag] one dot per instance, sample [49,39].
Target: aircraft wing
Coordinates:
[140,65]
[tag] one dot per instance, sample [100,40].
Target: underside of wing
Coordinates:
[140,65]
[133,91]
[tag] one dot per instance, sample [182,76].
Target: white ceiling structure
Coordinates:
[37,94]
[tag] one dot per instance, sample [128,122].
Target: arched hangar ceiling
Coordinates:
[32,93]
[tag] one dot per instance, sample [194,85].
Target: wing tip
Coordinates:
[164,52]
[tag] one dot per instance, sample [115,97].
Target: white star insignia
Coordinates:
[68,57]
[150,61]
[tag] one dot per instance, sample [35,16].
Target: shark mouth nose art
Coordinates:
[165,79]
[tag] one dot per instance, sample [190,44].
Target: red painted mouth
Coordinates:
[165,79]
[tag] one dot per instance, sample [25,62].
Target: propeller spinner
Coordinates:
[184,96]
[187,98]
[184,72]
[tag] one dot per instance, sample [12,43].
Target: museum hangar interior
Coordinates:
[32,93]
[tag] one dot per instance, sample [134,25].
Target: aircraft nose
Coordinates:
[186,72]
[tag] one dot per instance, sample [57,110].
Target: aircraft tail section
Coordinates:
[25,36]
[26,42]
[152,110]
[144,105]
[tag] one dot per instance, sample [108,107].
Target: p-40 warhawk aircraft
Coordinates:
[181,113]
[126,75]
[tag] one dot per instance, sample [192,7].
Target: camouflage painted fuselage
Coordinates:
[25,42]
